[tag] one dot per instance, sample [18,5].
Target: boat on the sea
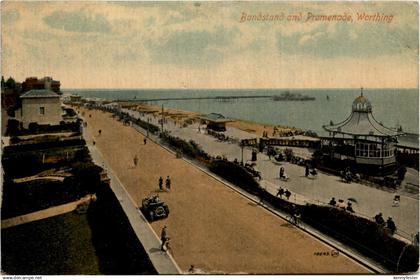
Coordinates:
[288,96]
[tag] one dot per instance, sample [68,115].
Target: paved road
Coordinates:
[370,200]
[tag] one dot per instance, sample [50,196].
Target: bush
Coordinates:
[147,126]
[364,235]
[52,142]
[190,149]
[236,174]
[12,127]
[289,154]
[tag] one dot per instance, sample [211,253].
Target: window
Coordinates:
[42,110]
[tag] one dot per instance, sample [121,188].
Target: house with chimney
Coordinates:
[40,106]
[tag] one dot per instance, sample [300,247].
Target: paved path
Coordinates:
[370,200]
[162,261]
[43,214]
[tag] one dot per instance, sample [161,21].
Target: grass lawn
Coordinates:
[57,245]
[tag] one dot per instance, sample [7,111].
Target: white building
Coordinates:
[41,106]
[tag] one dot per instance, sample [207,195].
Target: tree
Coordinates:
[10,83]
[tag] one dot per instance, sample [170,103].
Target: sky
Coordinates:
[210,45]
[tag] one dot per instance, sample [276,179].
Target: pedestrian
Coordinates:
[168,183]
[145,141]
[254,155]
[306,170]
[379,219]
[163,237]
[391,225]
[280,192]
[396,201]
[135,160]
[191,269]
[281,173]
[160,183]
[99,132]
[332,202]
[349,207]
[287,193]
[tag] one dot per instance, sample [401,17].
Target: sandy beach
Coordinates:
[211,227]
[182,116]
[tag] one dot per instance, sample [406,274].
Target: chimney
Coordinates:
[47,83]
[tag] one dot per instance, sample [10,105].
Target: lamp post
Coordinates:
[242,152]
[161,121]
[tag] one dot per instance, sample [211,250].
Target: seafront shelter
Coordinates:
[215,121]
[361,142]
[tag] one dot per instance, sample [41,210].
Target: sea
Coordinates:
[392,107]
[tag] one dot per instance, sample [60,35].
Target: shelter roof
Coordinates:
[215,117]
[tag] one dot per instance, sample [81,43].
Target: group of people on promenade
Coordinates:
[284,192]
[341,205]
[389,224]
[167,183]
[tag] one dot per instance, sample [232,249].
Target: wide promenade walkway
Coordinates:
[319,190]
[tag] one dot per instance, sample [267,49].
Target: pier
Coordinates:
[221,98]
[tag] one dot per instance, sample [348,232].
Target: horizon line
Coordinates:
[285,88]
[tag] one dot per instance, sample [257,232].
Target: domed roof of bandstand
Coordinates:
[361,122]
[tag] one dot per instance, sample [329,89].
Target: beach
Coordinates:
[181,116]
[210,226]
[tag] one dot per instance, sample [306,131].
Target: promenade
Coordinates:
[319,190]
[210,226]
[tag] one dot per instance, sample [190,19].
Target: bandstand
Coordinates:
[361,141]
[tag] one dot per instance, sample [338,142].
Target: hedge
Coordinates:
[190,149]
[45,145]
[14,128]
[147,126]
[236,174]
[41,194]
[364,235]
